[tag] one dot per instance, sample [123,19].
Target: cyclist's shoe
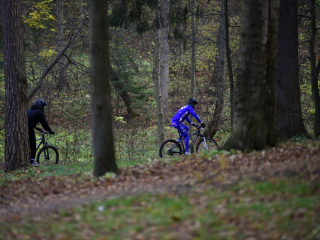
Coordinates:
[187,153]
[35,164]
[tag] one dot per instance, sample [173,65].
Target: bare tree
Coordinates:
[103,145]
[164,63]
[60,44]
[254,105]
[16,122]
[288,117]
[56,60]
[218,75]
[157,90]
[315,69]
[228,56]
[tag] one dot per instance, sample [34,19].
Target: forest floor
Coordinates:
[283,182]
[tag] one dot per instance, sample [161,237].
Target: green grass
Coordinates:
[288,208]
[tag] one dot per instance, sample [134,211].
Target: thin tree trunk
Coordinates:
[119,86]
[103,146]
[289,117]
[164,64]
[315,69]
[193,59]
[16,122]
[193,47]
[157,90]
[254,105]
[229,62]
[218,76]
[60,44]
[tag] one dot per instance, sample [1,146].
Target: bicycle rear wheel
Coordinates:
[207,145]
[170,148]
[48,155]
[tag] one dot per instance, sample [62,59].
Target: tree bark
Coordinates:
[315,69]
[103,146]
[229,62]
[218,76]
[193,59]
[60,44]
[289,120]
[157,90]
[254,105]
[16,122]
[193,47]
[164,64]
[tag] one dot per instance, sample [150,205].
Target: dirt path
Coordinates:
[32,197]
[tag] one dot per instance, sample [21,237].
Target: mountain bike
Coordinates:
[173,147]
[48,154]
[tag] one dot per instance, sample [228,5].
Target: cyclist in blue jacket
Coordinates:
[182,115]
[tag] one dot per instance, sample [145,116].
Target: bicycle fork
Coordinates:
[204,144]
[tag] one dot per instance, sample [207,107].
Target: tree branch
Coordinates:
[47,70]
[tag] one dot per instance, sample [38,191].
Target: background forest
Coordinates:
[253,66]
[195,45]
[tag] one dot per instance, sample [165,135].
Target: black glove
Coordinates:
[193,124]
[203,125]
[51,132]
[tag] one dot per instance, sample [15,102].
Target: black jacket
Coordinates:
[36,115]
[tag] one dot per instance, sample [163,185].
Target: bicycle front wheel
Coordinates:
[48,155]
[169,148]
[206,144]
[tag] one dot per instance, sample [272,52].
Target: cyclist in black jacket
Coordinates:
[36,115]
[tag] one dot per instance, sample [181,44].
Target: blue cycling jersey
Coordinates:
[183,113]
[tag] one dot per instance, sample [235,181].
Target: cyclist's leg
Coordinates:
[32,141]
[183,130]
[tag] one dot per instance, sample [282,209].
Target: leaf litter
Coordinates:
[187,175]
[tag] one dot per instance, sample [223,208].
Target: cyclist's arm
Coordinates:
[192,112]
[39,129]
[188,120]
[44,123]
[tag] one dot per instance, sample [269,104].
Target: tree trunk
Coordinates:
[315,69]
[60,45]
[229,62]
[289,117]
[218,75]
[164,64]
[193,47]
[193,59]
[157,90]
[103,147]
[119,86]
[254,105]
[16,122]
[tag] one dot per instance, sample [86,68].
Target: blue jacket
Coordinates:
[183,113]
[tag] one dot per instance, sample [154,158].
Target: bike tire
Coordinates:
[49,155]
[211,144]
[169,148]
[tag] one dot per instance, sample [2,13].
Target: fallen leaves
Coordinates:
[157,176]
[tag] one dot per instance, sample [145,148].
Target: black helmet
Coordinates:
[192,102]
[40,103]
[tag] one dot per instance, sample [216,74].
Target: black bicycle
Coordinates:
[48,154]
[173,147]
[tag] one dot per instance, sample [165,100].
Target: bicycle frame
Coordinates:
[43,140]
[197,133]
